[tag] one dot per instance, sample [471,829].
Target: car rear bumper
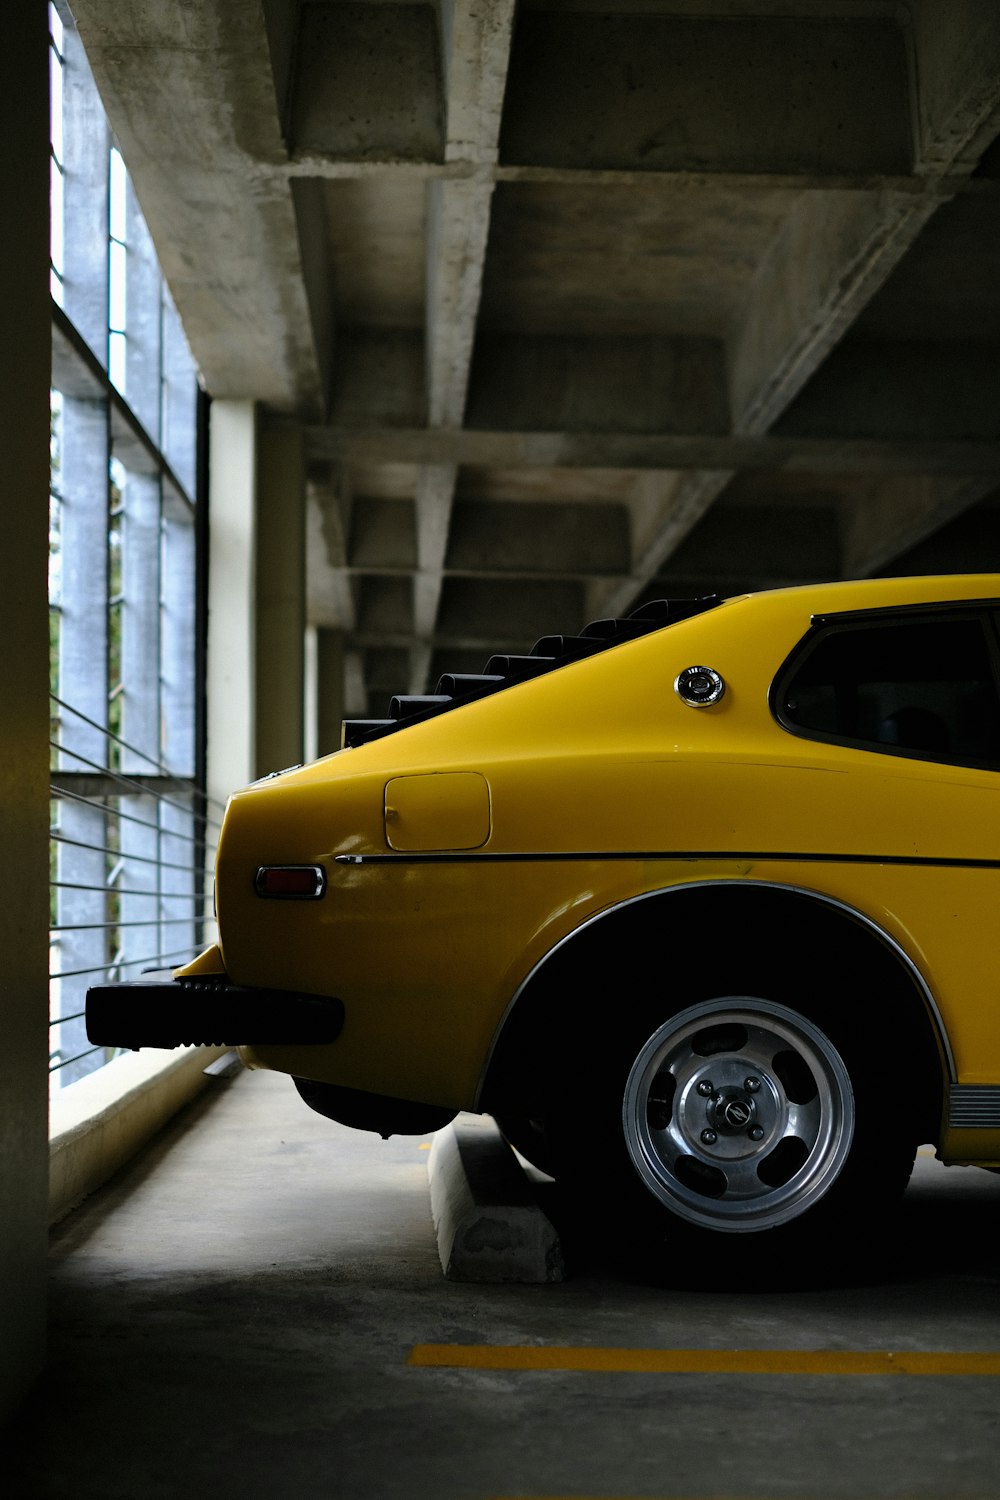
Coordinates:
[161,1011]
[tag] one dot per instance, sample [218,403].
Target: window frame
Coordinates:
[132,829]
[821,627]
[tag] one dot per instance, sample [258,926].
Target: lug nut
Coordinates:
[705,1088]
[751,1085]
[755,1133]
[709,1137]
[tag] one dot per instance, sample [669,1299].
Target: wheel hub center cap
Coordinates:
[731,1111]
[737,1113]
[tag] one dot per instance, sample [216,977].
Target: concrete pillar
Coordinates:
[330,704]
[24,444]
[230,675]
[281,623]
[256,598]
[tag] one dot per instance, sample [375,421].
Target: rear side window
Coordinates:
[924,688]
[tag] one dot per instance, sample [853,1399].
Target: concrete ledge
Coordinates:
[98,1123]
[488,1222]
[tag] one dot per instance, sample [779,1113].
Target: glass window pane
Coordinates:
[56,93]
[116,361]
[117,196]
[127,889]
[56,245]
[116,303]
[925,686]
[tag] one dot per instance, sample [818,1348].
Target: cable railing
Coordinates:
[132,851]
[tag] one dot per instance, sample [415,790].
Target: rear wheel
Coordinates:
[739,1114]
[528,1136]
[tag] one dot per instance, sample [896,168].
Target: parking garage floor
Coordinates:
[249,1310]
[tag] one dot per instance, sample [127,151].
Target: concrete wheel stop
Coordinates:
[490,1226]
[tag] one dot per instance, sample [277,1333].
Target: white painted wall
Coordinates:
[231,597]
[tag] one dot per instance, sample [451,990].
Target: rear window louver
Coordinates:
[503,671]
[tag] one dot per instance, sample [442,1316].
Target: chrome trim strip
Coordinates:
[974,1106]
[769,885]
[598,855]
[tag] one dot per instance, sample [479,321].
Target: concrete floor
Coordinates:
[233,1317]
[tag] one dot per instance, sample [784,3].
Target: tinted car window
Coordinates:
[915,687]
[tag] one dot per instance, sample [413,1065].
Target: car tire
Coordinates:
[741,1133]
[529,1137]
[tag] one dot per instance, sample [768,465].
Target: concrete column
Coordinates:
[330,701]
[231,680]
[281,579]
[24,444]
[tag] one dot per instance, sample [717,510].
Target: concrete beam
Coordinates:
[832,255]
[435,493]
[836,250]
[599,384]
[956,63]
[495,614]
[379,378]
[367,83]
[475,48]
[190,96]
[682,501]
[494,538]
[458,216]
[790,92]
[894,513]
[901,389]
[596,450]
[476,42]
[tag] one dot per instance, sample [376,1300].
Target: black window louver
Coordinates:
[503,671]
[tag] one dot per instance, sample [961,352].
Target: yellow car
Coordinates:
[700,905]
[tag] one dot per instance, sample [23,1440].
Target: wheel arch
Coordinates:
[677,931]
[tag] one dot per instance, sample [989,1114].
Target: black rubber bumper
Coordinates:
[160,1011]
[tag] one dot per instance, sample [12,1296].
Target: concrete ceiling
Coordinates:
[583,303]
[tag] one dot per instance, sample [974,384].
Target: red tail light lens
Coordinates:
[290,882]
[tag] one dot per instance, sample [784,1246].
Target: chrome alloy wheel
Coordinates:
[738,1114]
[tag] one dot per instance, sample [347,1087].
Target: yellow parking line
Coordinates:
[703,1361]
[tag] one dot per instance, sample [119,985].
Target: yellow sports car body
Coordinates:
[702,899]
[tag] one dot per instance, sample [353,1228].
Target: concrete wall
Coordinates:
[109,1116]
[24,443]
